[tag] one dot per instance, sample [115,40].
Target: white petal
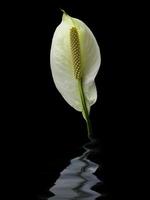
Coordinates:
[91,61]
[61,63]
[61,66]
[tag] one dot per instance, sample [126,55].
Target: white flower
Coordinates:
[75,60]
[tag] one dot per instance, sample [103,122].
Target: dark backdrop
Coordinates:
[44,132]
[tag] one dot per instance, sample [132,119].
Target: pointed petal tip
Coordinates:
[63,11]
[65,15]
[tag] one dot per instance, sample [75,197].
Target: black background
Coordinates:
[43,132]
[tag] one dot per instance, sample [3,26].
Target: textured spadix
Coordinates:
[75,60]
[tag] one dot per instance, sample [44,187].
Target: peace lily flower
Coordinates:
[75,60]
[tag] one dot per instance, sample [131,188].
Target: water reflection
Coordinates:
[75,182]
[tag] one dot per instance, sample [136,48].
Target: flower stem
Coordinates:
[85,110]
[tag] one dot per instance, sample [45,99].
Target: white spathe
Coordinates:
[62,64]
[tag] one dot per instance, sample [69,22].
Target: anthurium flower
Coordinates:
[75,60]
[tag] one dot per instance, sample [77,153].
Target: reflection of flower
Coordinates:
[75,60]
[76,181]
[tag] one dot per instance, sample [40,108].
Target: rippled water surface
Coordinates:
[76,180]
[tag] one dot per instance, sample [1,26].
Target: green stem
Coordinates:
[85,110]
